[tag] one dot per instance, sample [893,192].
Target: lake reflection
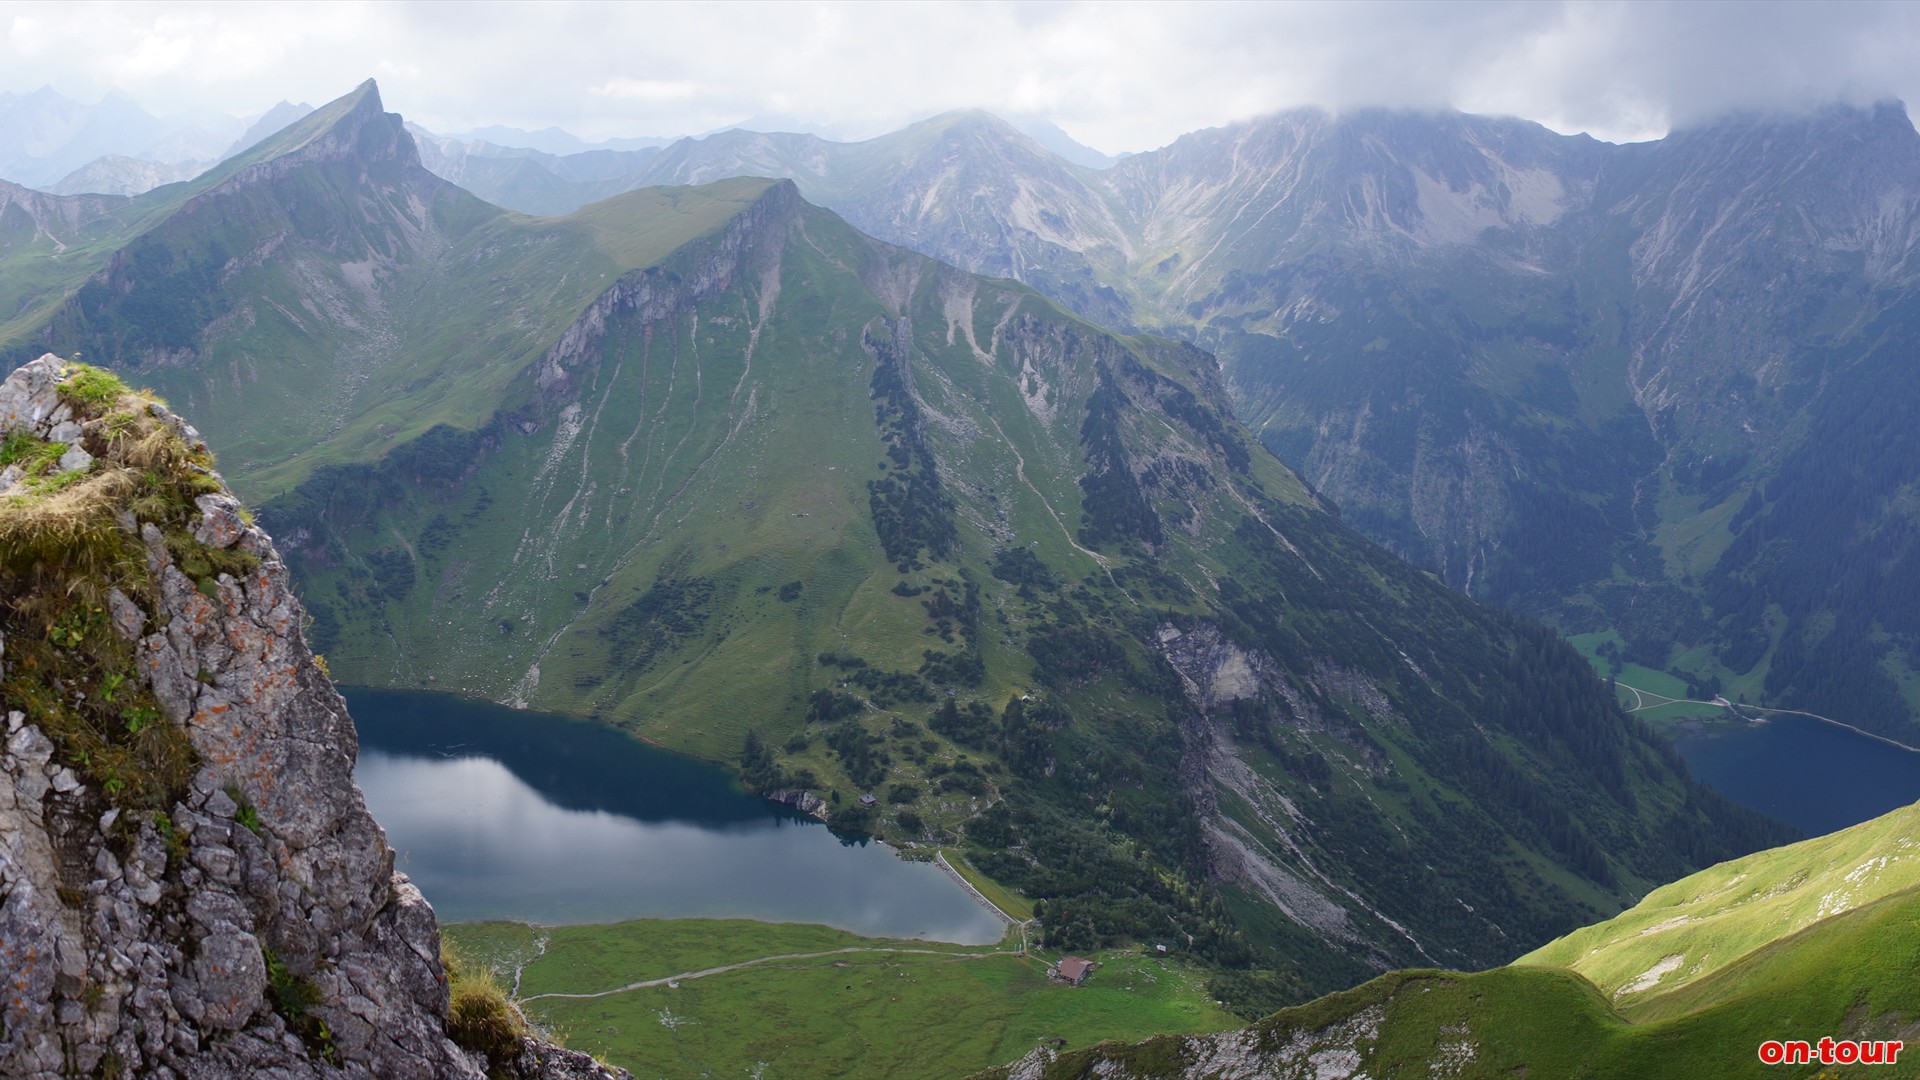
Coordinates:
[502,814]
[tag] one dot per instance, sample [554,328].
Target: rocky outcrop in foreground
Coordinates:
[190,882]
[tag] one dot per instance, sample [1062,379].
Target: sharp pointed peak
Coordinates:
[352,126]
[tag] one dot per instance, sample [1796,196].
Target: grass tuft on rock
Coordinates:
[480,1018]
[294,997]
[93,390]
[68,540]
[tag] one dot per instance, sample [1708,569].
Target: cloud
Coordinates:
[1616,67]
[1118,76]
[652,90]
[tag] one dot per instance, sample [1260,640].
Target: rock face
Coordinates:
[1336,1051]
[804,801]
[257,927]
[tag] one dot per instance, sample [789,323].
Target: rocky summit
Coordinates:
[190,882]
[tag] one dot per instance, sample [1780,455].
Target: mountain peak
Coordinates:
[1886,118]
[965,120]
[983,126]
[283,115]
[1055,138]
[353,127]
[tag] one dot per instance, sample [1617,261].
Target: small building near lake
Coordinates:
[1071,970]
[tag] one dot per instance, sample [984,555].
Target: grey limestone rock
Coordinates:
[149,944]
[220,524]
[804,801]
[543,1061]
[75,459]
[127,616]
[31,395]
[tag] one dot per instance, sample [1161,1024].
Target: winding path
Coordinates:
[1836,723]
[1647,699]
[1020,472]
[722,969]
[669,980]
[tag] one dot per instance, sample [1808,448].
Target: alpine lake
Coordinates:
[498,813]
[1817,777]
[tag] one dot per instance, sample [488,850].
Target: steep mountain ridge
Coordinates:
[301,291]
[1819,211]
[965,185]
[302,296]
[1564,413]
[711,465]
[1577,379]
[1262,193]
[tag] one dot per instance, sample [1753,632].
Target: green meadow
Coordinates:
[1815,939]
[862,1010]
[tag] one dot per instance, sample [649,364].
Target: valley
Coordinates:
[692,551]
[1541,365]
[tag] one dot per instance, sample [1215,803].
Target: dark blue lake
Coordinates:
[1811,775]
[498,813]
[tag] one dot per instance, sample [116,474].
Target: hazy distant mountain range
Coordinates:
[115,147]
[55,144]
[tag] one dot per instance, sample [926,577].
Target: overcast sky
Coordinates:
[1115,76]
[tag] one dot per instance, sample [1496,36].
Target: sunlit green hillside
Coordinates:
[1816,939]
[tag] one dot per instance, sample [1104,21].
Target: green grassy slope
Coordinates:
[1819,938]
[49,244]
[1687,931]
[1850,978]
[858,1012]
